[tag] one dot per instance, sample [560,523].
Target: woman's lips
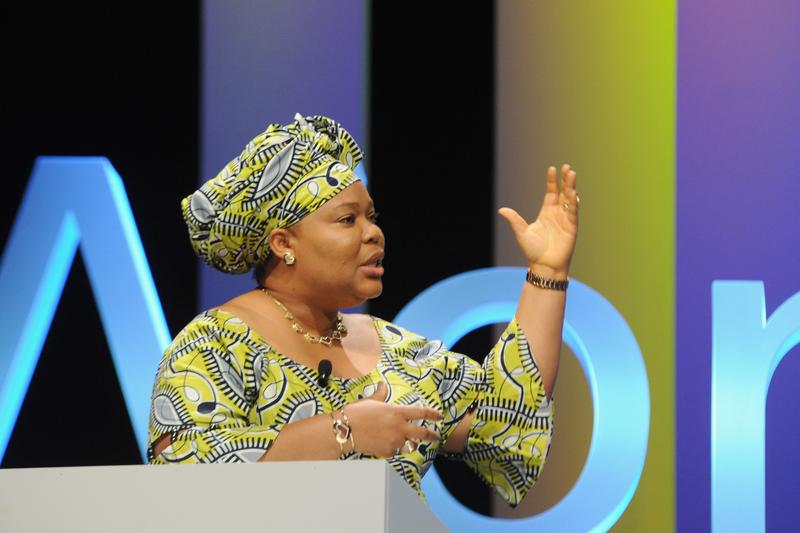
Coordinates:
[372,271]
[373,268]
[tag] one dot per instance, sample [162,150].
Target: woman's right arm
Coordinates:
[381,429]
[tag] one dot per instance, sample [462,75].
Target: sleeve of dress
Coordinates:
[203,399]
[510,434]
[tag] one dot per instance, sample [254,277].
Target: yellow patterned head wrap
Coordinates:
[282,175]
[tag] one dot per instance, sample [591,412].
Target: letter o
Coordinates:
[617,378]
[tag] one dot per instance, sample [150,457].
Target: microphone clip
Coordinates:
[324,369]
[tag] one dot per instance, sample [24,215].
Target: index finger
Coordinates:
[411,412]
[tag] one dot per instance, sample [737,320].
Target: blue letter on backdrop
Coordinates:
[71,201]
[746,349]
[612,361]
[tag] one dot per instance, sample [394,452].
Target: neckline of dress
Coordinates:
[309,369]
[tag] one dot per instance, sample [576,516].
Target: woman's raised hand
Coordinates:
[550,240]
[380,429]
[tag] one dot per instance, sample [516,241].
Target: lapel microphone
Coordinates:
[324,369]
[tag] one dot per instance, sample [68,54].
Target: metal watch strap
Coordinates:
[544,283]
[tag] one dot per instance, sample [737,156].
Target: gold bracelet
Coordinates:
[544,283]
[343,433]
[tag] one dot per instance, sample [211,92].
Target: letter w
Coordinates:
[71,201]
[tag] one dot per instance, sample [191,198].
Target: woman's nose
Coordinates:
[373,233]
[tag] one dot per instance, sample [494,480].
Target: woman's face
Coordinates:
[339,249]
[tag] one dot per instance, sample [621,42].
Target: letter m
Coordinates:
[73,201]
[746,349]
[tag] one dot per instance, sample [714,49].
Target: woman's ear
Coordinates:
[279,241]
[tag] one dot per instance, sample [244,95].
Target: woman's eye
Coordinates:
[351,219]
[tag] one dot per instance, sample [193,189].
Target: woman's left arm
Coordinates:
[548,244]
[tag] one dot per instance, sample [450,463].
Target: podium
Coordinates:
[302,496]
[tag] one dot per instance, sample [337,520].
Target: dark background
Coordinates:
[432,131]
[125,85]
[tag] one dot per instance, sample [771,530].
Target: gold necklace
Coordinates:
[338,333]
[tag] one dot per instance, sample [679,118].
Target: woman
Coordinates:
[248,381]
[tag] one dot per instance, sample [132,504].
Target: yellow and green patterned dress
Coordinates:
[224,394]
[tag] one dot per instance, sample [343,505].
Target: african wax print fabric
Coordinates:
[224,394]
[282,175]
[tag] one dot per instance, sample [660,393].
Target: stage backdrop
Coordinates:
[738,155]
[594,85]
